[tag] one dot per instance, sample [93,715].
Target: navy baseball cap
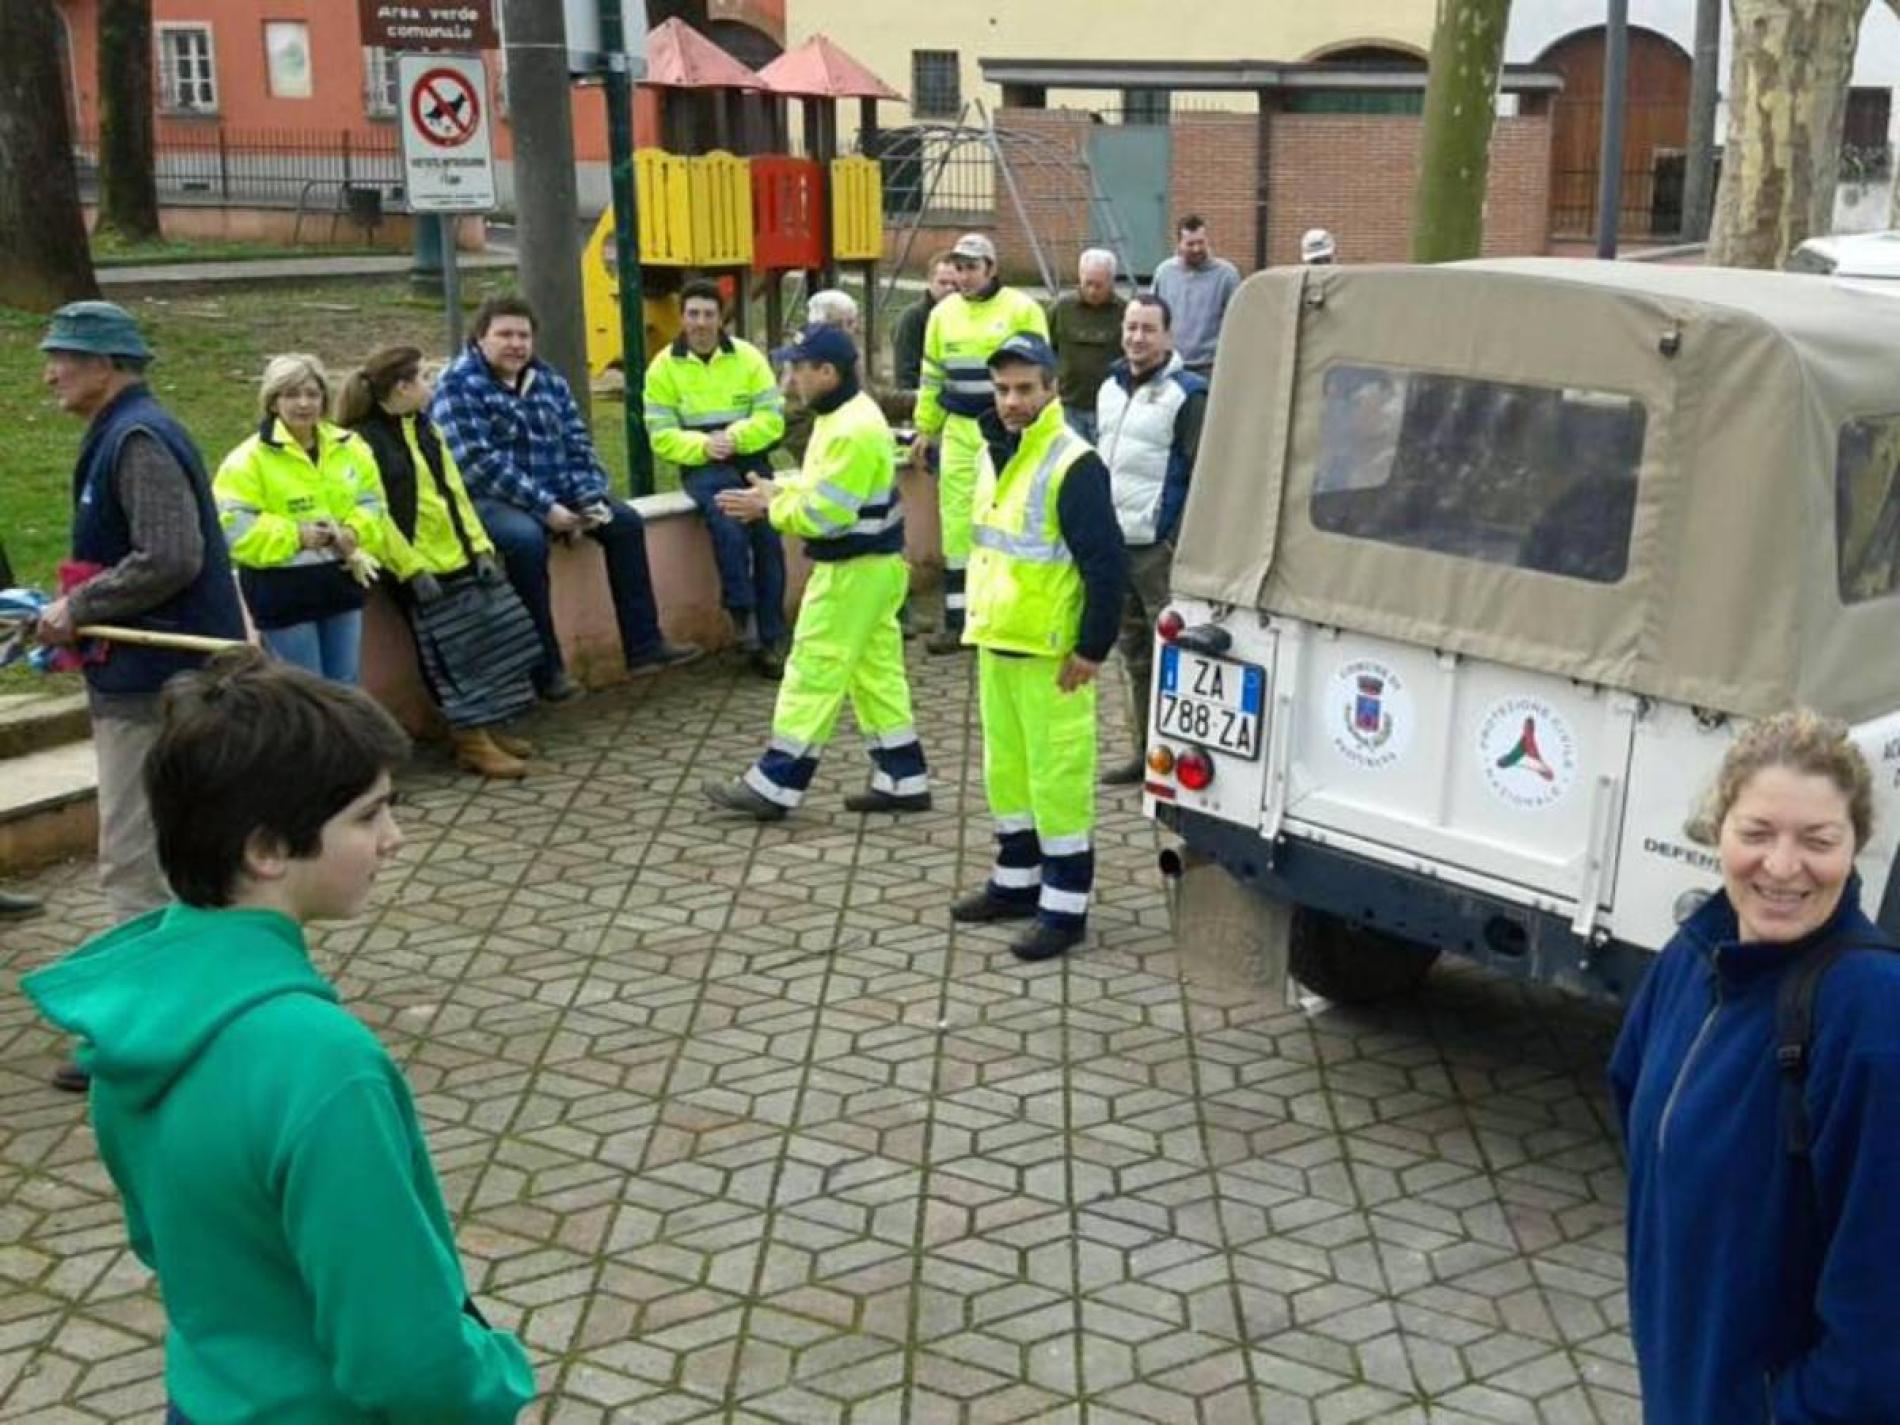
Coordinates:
[824,342]
[1024,346]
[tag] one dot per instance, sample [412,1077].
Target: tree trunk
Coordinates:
[1698,179]
[1455,150]
[43,256]
[128,186]
[1787,104]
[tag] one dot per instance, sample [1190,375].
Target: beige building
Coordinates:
[930,50]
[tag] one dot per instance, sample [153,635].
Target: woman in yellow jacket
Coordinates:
[474,639]
[302,510]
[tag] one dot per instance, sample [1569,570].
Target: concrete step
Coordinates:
[49,806]
[32,722]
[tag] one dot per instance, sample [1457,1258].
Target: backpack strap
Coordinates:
[1794,1033]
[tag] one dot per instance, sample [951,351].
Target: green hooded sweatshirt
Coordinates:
[275,1178]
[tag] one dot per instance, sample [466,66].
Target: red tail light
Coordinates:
[1194,770]
[1169,626]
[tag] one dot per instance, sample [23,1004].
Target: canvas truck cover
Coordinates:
[1657,502]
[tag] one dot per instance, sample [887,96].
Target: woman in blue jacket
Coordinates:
[1765,1286]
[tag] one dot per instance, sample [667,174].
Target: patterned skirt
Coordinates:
[479,651]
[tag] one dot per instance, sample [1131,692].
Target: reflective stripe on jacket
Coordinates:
[844,499]
[269,486]
[1025,593]
[958,341]
[690,397]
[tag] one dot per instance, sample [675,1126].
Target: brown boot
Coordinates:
[475,751]
[509,743]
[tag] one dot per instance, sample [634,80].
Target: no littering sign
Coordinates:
[447,155]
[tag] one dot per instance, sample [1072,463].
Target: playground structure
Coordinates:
[741,218]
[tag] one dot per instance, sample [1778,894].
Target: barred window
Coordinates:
[382,90]
[936,84]
[187,70]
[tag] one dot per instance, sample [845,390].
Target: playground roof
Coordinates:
[679,57]
[819,69]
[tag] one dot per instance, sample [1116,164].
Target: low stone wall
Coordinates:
[685,582]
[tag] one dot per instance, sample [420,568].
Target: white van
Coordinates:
[1482,568]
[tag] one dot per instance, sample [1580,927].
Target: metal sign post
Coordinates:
[447,153]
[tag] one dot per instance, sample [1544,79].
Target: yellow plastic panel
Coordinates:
[721,210]
[857,210]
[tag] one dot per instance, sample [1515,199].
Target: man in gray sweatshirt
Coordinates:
[1197,287]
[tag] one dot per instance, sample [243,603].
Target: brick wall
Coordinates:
[1352,173]
[1355,174]
[1216,174]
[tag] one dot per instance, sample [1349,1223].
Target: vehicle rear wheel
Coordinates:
[1352,964]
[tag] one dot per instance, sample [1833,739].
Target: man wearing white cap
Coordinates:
[1317,248]
[964,329]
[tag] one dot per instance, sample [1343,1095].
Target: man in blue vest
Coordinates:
[147,553]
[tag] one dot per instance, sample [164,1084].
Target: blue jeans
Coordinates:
[522,541]
[1081,421]
[751,560]
[329,647]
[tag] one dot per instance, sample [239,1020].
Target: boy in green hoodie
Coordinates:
[266,1148]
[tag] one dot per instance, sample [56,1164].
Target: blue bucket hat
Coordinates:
[97,329]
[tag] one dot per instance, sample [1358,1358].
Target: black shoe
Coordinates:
[1045,942]
[737,796]
[871,799]
[944,641]
[560,689]
[1131,773]
[667,655]
[14,906]
[70,1077]
[980,908]
[768,663]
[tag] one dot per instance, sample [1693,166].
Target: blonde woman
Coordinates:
[302,509]
[1764,1186]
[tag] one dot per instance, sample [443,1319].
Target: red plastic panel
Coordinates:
[788,214]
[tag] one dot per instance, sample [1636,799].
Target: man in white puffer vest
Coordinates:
[1148,417]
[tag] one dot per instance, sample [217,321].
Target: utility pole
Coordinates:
[547,198]
[613,41]
[1698,178]
[1616,65]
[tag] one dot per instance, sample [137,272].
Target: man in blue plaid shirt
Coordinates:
[510,421]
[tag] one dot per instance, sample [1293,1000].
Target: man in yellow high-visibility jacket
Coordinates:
[962,332]
[1047,579]
[847,644]
[714,409]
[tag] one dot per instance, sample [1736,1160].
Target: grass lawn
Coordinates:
[108,250]
[211,350]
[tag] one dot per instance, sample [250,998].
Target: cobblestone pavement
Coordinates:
[737,1128]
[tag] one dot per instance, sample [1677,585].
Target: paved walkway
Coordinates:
[161,275]
[737,1128]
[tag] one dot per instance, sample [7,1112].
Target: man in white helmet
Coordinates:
[1317,248]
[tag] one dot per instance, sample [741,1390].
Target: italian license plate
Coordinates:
[1210,701]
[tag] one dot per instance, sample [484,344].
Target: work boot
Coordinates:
[476,751]
[71,1078]
[1045,942]
[980,908]
[14,906]
[512,745]
[667,655]
[768,663]
[1125,774]
[737,796]
[944,641]
[871,799]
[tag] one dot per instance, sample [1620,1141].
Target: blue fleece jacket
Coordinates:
[1762,1288]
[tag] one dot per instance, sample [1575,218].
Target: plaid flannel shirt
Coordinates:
[525,444]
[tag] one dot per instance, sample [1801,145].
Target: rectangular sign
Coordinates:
[429,24]
[447,158]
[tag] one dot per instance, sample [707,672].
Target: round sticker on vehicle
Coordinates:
[1369,714]
[1528,752]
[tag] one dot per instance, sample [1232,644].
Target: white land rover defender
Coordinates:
[1483,566]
